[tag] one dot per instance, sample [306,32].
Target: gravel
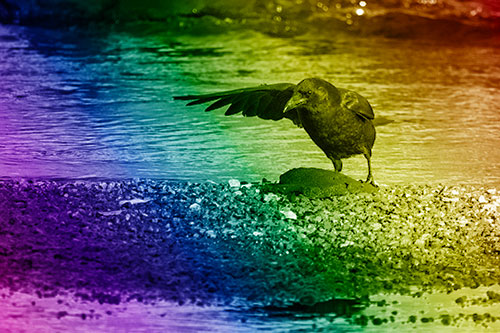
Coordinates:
[260,246]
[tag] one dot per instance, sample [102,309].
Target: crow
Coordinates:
[339,121]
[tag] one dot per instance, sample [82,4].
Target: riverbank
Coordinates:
[253,246]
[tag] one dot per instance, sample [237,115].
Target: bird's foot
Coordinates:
[370,181]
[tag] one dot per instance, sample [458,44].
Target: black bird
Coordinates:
[338,120]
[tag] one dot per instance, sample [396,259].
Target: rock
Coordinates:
[234,183]
[289,214]
[110,213]
[133,201]
[195,207]
[315,182]
[270,196]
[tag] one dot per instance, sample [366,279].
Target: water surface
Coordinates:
[78,104]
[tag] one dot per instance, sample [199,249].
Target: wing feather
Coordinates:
[201,101]
[356,103]
[266,101]
[219,104]
[262,111]
[236,106]
[251,109]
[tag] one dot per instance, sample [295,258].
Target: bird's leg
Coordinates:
[369,179]
[337,164]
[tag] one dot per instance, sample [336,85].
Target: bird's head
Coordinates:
[312,93]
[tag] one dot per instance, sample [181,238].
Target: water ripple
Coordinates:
[102,105]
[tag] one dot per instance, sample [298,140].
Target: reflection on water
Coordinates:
[22,312]
[430,313]
[93,104]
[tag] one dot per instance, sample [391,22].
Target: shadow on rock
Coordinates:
[318,183]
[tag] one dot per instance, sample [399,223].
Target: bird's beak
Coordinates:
[295,102]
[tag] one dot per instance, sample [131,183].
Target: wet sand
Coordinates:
[399,256]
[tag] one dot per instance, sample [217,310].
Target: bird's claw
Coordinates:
[369,181]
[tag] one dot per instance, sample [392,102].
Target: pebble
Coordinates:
[111,212]
[195,207]
[133,201]
[234,183]
[270,196]
[289,214]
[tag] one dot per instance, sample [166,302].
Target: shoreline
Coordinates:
[245,245]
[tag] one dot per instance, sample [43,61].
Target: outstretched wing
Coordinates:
[266,101]
[356,103]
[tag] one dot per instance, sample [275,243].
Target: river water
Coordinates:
[97,103]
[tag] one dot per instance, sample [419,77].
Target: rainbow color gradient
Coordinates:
[121,209]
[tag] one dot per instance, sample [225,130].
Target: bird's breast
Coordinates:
[330,122]
[338,131]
